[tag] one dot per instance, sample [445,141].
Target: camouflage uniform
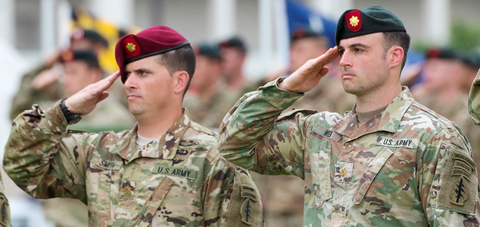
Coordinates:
[177,180]
[407,166]
[107,115]
[5,220]
[456,111]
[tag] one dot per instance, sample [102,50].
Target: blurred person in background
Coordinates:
[233,53]
[470,66]
[208,99]
[444,91]
[41,84]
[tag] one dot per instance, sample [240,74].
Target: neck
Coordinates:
[158,123]
[378,98]
[236,80]
[206,93]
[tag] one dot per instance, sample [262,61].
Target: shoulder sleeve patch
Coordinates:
[245,206]
[459,182]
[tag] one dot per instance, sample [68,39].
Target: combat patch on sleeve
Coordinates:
[458,182]
[245,206]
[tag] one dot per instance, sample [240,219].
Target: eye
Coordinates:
[358,50]
[340,52]
[142,73]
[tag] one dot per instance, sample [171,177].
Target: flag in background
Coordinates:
[81,18]
[299,15]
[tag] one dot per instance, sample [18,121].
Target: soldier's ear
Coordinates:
[395,55]
[181,80]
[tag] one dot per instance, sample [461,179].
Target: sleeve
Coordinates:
[252,137]
[26,97]
[230,197]
[5,219]
[43,158]
[474,100]
[448,183]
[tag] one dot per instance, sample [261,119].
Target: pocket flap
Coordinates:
[154,202]
[370,174]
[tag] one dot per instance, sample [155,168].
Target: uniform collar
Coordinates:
[388,120]
[164,147]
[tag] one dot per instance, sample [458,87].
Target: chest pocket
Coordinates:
[103,176]
[384,178]
[144,216]
[320,161]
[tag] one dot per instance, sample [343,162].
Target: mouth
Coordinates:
[132,96]
[347,76]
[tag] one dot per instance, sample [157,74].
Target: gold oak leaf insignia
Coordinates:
[343,172]
[127,190]
[130,47]
[354,21]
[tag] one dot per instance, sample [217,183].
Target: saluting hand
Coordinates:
[84,101]
[309,74]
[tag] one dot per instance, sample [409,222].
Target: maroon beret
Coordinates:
[151,41]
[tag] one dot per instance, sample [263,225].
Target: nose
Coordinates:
[130,82]
[345,59]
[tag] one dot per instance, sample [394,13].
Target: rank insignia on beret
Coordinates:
[354,20]
[131,46]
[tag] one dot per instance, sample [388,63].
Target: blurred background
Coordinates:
[31,30]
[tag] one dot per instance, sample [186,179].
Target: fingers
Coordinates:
[327,57]
[104,84]
[108,81]
[103,96]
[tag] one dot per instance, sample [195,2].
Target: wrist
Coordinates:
[71,118]
[282,84]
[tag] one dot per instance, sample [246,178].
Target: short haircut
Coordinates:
[399,38]
[181,59]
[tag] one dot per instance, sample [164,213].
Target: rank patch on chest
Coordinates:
[343,172]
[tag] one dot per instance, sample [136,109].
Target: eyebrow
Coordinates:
[355,45]
[139,70]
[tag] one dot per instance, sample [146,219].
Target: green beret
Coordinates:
[373,19]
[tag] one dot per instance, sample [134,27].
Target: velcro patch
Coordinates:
[106,164]
[246,212]
[458,182]
[391,142]
[248,192]
[176,172]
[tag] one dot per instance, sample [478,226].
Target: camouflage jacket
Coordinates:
[5,219]
[474,100]
[177,180]
[407,166]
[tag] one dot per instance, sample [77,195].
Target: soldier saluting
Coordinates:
[389,162]
[166,171]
